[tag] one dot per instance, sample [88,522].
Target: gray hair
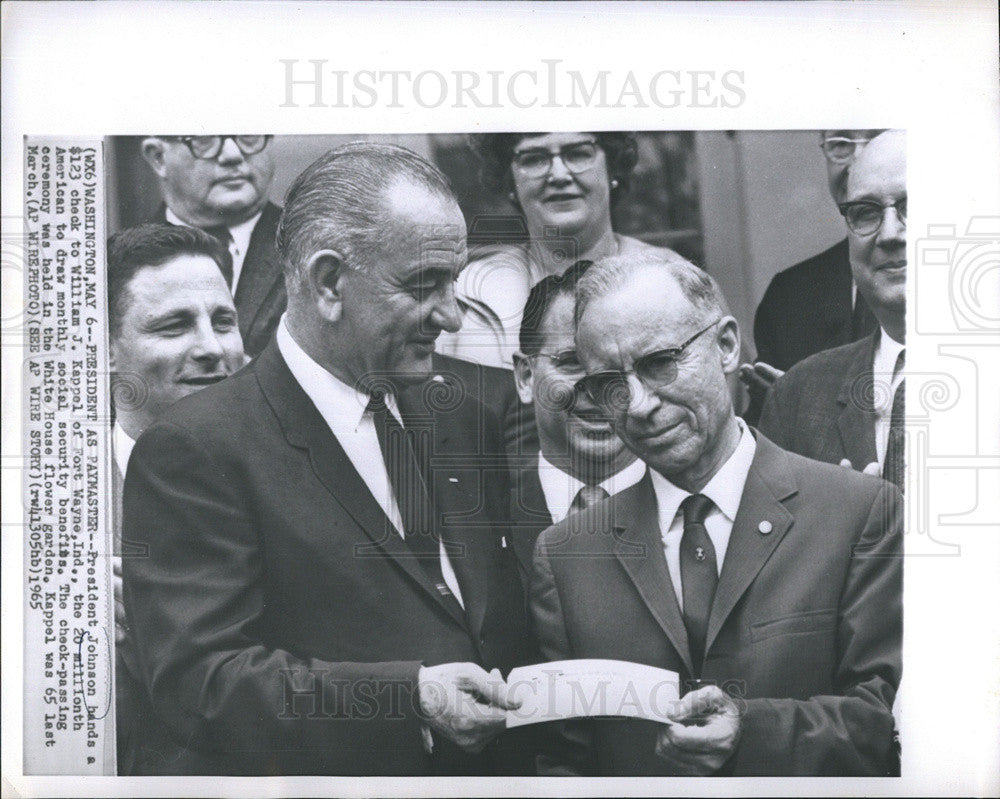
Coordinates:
[338,203]
[610,274]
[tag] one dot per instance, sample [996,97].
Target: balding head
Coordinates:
[875,211]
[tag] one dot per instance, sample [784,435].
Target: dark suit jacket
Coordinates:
[280,622]
[494,387]
[260,293]
[823,408]
[806,309]
[804,633]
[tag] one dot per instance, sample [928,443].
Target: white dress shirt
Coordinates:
[885,373]
[560,488]
[239,241]
[344,409]
[121,445]
[725,489]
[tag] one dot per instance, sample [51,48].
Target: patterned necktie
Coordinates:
[225,238]
[699,575]
[895,450]
[587,496]
[407,480]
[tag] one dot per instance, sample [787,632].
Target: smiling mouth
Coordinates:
[203,380]
[561,198]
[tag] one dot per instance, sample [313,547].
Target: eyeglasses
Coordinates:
[209,147]
[565,362]
[610,390]
[537,163]
[865,218]
[841,150]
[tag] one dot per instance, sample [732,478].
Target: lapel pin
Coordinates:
[765,527]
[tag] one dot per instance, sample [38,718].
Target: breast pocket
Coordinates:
[810,621]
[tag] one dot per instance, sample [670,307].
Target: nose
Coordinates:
[559,173]
[642,401]
[207,348]
[446,314]
[229,153]
[893,230]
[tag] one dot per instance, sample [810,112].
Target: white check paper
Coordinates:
[566,689]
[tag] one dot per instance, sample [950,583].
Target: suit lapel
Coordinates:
[261,269]
[856,422]
[528,512]
[638,546]
[769,481]
[304,427]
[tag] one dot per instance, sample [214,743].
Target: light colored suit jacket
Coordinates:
[804,632]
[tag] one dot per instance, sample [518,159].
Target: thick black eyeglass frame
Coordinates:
[847,209]
[219,142]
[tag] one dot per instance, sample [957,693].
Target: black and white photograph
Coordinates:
[560,425]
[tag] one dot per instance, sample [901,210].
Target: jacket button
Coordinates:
[482,639]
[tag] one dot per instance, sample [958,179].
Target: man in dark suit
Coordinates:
[812,306]
[771,584]
[220,184]
[173,331]
[326,590]
[579,459]
[845,405]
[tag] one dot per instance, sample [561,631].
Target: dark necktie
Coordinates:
[863,322]
[699,575]
[895,450]
[587,496]
[225,238]
[406,477]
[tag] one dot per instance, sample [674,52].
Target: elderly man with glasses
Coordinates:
[814,305]
[770,583]
[220,184]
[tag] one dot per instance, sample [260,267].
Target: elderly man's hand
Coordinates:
[703,735]
[464,704]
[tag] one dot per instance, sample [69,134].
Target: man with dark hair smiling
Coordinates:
[580,459]
[173,331]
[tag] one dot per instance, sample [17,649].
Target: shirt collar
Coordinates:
[241,233]
[725,488]
[121,444]
[341,405]
[560,487]
[886,354]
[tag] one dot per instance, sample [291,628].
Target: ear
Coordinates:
[524,378]
[154,151]
[325,274]
[728,342]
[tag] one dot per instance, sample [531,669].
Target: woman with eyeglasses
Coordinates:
[563,185]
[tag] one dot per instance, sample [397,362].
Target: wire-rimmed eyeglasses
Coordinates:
[610,391]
